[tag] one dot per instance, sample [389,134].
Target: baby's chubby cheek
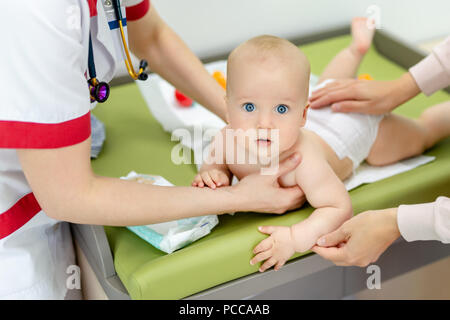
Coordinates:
[239,134]
[288,137]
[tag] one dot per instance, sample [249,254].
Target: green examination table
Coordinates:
[217,266]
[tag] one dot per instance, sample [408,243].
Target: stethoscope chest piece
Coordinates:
[99,90]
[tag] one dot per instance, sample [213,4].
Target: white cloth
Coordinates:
[433,72]
[44,104]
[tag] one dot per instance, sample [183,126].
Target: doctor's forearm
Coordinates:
[115,202]
[67,189]
[170,57]
[405,88]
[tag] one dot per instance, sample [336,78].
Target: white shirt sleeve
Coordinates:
[428,221]
[433,72]
[42,72]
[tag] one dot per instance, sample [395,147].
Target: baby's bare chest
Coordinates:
[243,170]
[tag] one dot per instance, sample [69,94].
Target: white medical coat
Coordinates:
[45,103]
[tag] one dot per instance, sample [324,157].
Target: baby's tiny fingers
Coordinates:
[224,180]
[261,257]
[207,180]
[196,180]
[279,265]
[267,229]
[269,263]
[264,245]
[199,181]
[215,177]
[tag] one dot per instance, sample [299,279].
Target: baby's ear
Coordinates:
[305,112]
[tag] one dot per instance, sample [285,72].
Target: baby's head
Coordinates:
[267,88]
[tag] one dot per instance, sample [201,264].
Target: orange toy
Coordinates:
[365,76]
[220,79]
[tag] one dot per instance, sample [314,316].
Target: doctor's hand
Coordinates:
[262,192]
[365,96]
[360,240]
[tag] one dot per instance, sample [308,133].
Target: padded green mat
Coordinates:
[136,141]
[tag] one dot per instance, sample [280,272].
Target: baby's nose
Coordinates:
[265,122]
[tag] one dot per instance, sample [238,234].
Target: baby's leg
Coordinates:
[345,64]
[400,138]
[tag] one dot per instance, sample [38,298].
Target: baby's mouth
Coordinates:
[263,142]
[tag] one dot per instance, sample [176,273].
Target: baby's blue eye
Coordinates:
[282,108]
[249,107]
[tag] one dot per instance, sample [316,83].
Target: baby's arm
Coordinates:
[325,192]
[214,172]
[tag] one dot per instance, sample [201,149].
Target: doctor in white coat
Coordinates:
[45,173]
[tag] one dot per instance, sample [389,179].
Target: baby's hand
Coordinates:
[213,178]
[276,249]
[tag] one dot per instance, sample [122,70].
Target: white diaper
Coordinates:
[348,134]
[171,235]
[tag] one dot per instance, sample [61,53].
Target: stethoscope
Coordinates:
[100,90]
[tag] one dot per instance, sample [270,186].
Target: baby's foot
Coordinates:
[362,33]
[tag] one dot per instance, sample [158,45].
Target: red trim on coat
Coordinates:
[138,11]
[18,215]
[92,7]
[32,135]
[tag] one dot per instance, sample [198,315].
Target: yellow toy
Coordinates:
[220,79]
[365,76]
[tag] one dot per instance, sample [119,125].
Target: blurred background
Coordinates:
[214,27]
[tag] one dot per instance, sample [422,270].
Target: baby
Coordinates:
[267,94]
